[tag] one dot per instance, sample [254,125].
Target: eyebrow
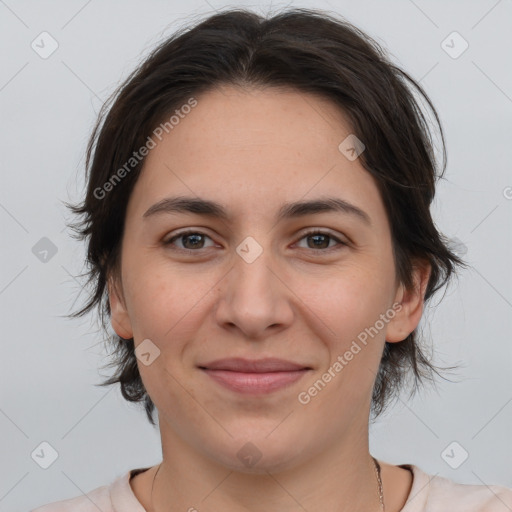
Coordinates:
[205,207]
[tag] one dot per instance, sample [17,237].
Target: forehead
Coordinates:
[253,147]
[247,119]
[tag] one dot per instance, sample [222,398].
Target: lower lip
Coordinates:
[255,382]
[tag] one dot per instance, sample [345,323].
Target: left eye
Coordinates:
[319,239]
[195,240]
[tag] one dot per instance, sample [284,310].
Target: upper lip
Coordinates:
[238,364]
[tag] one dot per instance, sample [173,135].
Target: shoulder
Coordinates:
[116,496]
[92,501]
[433,492]
[469,498]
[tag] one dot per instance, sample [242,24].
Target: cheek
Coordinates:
[165,303]
[164,308]
[348,312]
[349,300]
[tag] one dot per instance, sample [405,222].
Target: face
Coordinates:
[255,284]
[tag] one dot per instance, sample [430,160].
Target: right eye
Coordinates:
[191,238]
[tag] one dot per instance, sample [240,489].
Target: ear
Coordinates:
[408,316]
[119,317]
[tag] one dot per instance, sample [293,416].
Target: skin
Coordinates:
[253,150]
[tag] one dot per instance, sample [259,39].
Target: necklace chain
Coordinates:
[377,472]
[379,480]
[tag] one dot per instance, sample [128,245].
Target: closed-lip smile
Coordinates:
[254,376]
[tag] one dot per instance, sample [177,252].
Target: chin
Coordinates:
[260,455]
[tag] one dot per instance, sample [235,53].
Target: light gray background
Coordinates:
[49,365]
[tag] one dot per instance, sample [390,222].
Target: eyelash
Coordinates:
[304,235]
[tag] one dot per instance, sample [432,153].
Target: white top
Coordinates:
[428,494]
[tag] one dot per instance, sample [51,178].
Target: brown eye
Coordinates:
[320,240]
[191,240]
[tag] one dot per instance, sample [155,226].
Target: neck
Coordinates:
[341,479]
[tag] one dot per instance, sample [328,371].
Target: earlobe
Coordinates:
[408,315]
[119,317]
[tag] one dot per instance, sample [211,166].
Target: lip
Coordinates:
[254,376]
[267,365]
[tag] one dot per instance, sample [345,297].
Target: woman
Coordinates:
[259,238]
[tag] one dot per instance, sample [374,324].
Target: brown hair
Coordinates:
[310,51]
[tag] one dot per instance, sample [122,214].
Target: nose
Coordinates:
[254,298]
